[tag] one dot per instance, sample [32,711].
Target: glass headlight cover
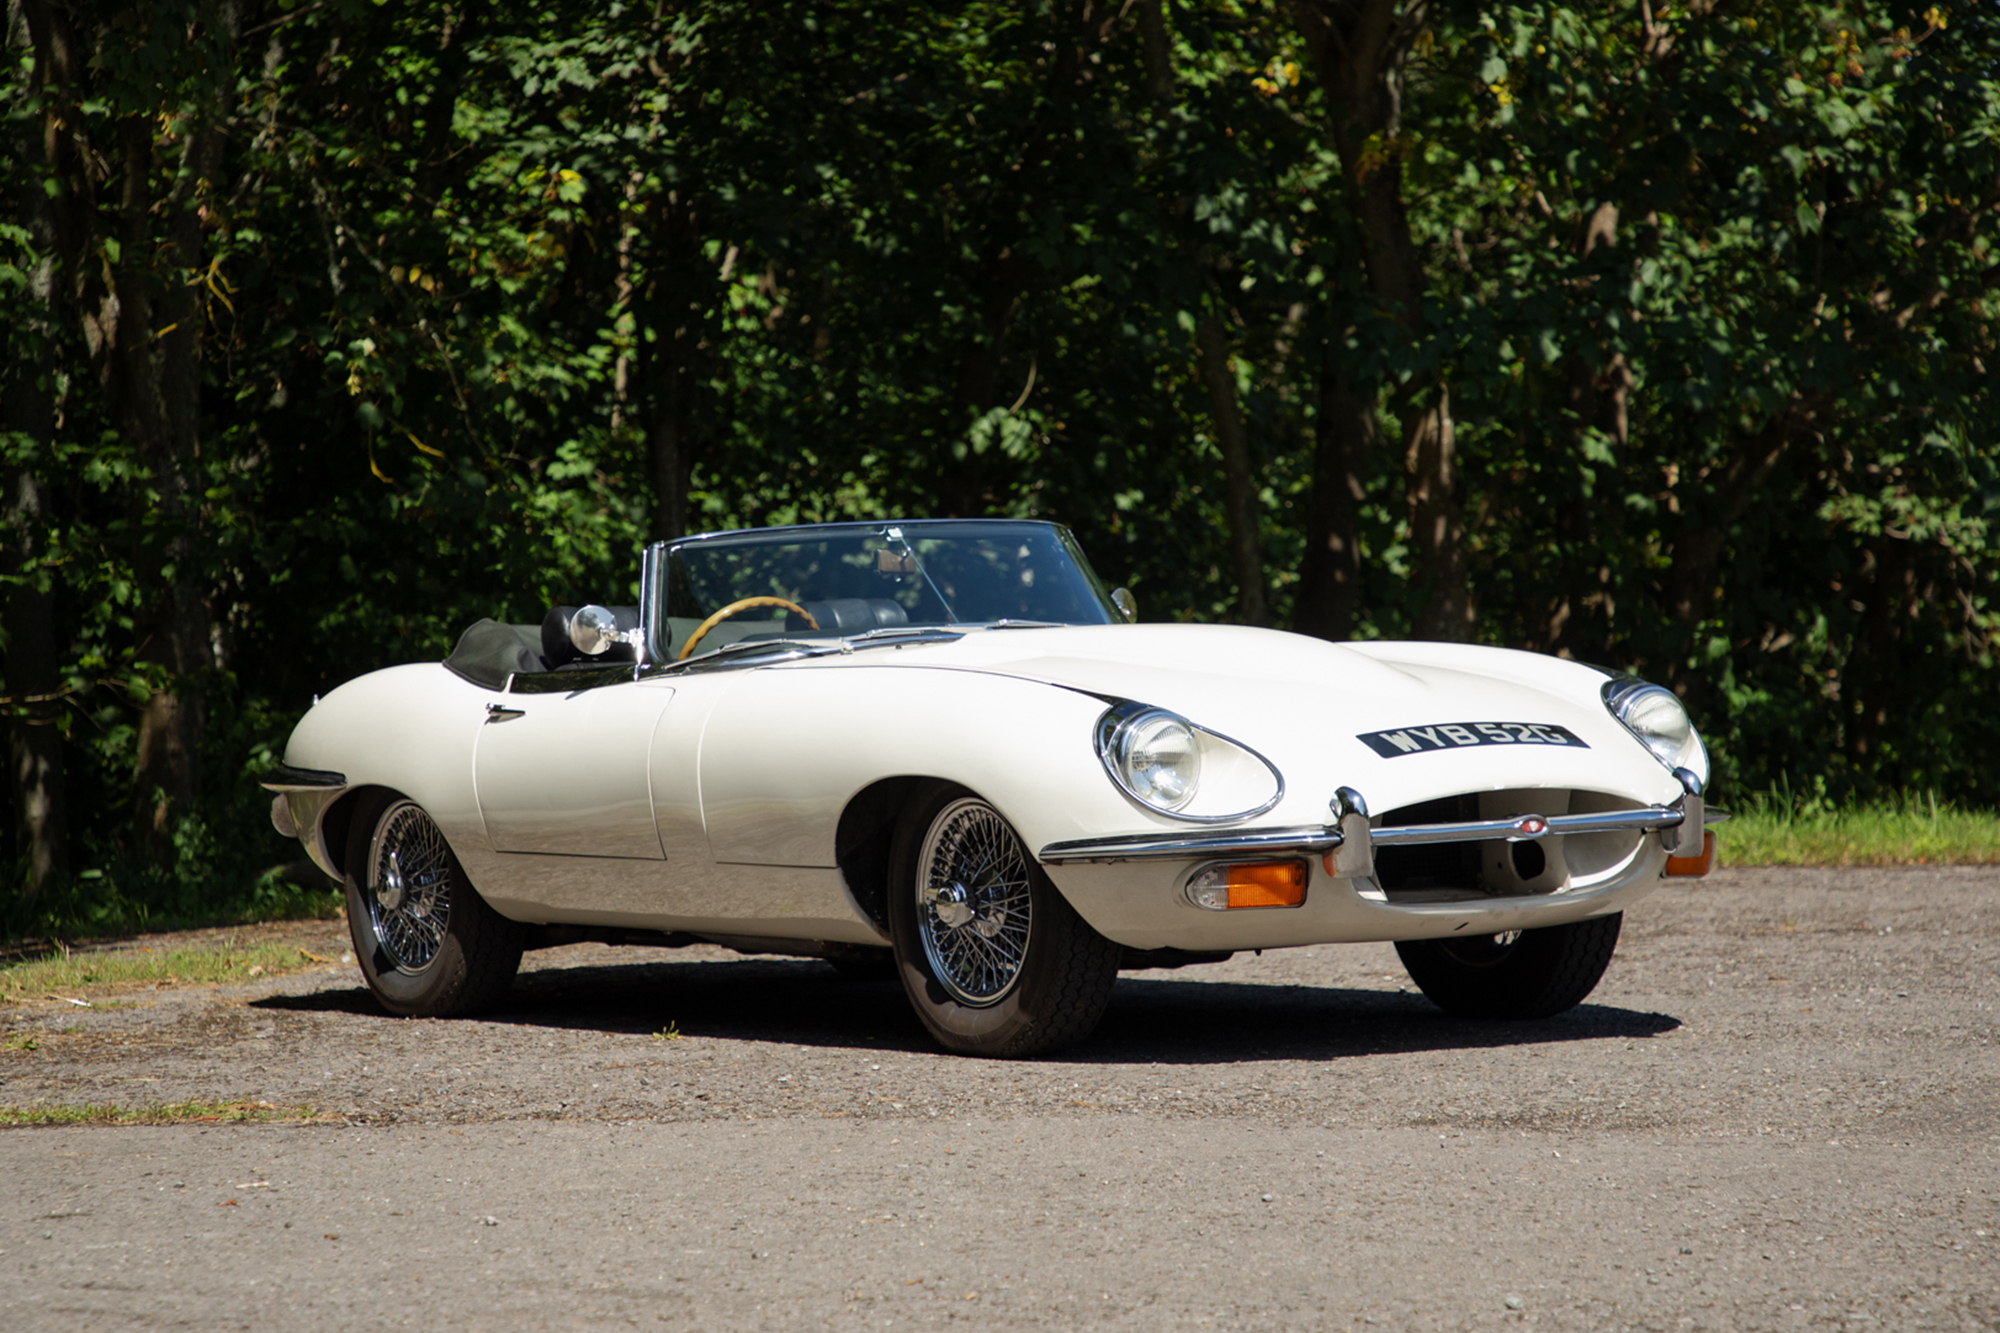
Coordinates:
[1153,754]
[1654,715]
[1171,766]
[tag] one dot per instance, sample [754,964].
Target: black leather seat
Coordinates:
[848,615]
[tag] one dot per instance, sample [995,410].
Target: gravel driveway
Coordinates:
[1781,1110]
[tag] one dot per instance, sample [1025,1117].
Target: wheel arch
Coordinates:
[337,822]
[867,831]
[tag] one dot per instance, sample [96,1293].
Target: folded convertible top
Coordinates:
[489,652]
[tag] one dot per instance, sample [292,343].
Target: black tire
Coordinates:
[1019,972]
[1535,974]
[429,945]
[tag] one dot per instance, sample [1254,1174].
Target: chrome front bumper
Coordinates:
[1353,841]
[301,797]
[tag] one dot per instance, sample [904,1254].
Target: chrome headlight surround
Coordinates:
[1156,757]
[1656,718]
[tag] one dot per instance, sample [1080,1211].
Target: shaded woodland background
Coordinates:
[1652,334]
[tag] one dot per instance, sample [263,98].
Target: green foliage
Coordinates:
[78,973]
[1713,291]
[1777,828]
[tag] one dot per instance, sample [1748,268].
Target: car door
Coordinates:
[560,765]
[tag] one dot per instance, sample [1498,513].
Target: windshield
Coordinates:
[842,580]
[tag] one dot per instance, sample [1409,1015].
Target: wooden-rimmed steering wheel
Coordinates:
[731,610]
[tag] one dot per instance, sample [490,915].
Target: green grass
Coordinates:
[76,973]
[1910,830]
[159,1113]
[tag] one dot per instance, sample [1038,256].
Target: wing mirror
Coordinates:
[1127,604]
[593,629]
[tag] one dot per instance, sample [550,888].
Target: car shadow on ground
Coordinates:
[1153,1018]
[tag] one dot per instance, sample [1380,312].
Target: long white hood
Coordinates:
[1304,703]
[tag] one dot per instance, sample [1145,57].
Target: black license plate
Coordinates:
[1465,735]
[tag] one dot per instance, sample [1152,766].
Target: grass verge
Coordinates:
[62,974]
[1910,830]
[163,1113]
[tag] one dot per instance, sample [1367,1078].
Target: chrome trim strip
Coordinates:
[1528,828]
[1309,839]
[1122,710]
[286,778]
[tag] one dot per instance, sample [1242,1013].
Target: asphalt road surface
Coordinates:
[1781,1110]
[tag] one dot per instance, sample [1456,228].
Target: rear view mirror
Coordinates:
[593,629]
[1127,604]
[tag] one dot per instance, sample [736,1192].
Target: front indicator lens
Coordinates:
[1697,865]
[1220,888]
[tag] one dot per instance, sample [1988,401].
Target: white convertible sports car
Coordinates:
[944,746]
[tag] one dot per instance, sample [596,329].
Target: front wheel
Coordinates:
[1521,974]
[994,961]
[429,945]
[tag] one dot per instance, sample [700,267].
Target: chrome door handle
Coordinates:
[501,712]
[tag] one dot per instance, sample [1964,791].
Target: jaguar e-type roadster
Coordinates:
[944,748]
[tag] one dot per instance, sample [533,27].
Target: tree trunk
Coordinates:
[143,330]
[1876,687]
[1246,546]
[1343,446]
[1157,49]
[163,395]
[1246,554]
[670,362]
[964,485]
[34,743]
[1358,50]
[1437,523]
[1723,497]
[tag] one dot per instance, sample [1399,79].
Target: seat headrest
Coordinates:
[558,651]
[849,615]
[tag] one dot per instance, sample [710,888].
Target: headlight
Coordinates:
[1153,754]
[1655,716]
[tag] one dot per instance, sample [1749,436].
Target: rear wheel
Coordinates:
[994,961]
[1521,974]
[429,945]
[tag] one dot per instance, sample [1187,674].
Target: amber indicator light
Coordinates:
[1267,884]
[1689,865]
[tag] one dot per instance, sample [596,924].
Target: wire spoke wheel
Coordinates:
[408,889]
[974,906]
[995,961]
